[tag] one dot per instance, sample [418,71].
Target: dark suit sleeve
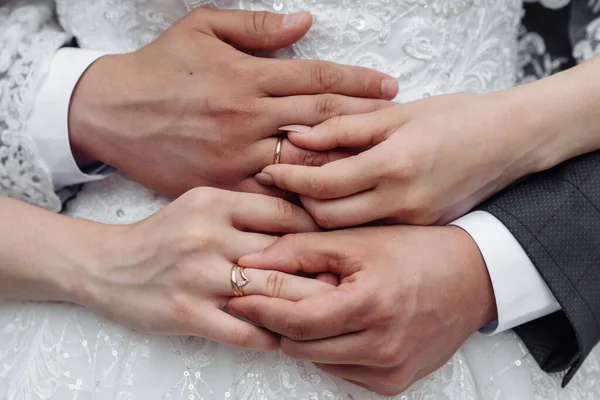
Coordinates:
[555,216]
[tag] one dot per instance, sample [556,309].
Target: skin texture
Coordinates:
[173,275]
[174,118]
[399,305]
[167,274]
[431,161]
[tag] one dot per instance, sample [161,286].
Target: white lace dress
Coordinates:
[63,351]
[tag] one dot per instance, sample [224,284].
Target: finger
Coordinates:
[333,350]
[329,278]
[264,154]
[345,131]
[358,209]
[297,77]
[313,110]
[339,178]
[223,328]
[281,285]
[249,30]
[261,282]
[334,313]
[257,213]
[306,252]
[239,244]
[251,185]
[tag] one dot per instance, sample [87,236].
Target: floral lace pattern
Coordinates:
[62,351]
[27,43]
[430,46]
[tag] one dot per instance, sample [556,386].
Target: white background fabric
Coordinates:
[431,47]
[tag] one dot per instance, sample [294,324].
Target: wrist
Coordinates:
[479,293]
[101,248]
[90,109]
[557,117]
[47,256]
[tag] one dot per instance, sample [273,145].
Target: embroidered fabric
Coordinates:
[62,351]
[29,37]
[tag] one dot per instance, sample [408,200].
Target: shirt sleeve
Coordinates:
[521,293]
[48,123]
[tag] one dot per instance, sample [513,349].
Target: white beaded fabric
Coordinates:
[63,351]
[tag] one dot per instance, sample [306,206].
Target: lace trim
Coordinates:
[29,38]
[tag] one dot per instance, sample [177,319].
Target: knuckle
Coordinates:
[257,23]
[204,198]
[240,337]
[275,284]
[286,211]
[318,188]
[323,217]
[198,16]
[408,170]
[325,77]
[314,159]
[417,208]
[327,106]
[388,356]
[295,328]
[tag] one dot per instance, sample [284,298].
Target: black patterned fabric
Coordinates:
[555,215]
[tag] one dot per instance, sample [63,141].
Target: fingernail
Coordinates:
[264,179]
[389,88]
[290,20]
[295,128]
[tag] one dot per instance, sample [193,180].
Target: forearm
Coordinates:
[559,115]
[45,256]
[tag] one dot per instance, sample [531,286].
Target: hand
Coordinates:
[190,109]
[408,298]
[426,162]
[170,273]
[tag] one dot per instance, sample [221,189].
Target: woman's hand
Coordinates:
[425,162]
[170,273]
[431,161]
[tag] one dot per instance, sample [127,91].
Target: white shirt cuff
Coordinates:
[521,293]
[48,125]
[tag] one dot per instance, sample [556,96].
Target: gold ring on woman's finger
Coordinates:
[238,280]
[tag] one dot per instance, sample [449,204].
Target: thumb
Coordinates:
[304,252]
[253,30]
[347,131]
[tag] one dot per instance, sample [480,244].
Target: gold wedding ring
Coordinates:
[277,158]
[238,280]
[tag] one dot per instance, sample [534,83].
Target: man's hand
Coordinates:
[191,109]
[407,300]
